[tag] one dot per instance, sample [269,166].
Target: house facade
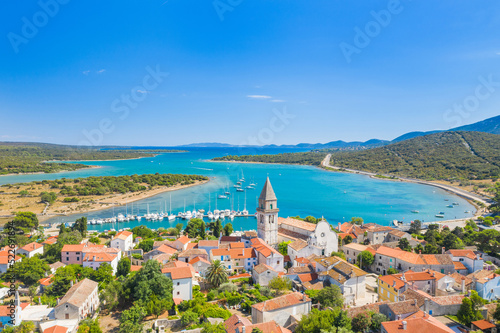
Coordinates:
[80,302]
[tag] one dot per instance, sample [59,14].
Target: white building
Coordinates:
[124,240]
[268,255]
[31,249]
[182,279]
[281,309]
[81,301]
[95,260]
[473,262]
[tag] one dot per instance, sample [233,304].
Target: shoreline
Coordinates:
[50,173]
[468,196]
[122,200]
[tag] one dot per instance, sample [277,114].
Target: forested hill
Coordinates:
[444,155]
[19,157]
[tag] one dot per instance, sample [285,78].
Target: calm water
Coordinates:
[301,190]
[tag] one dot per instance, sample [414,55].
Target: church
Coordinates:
[306,238]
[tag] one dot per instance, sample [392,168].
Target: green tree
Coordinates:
[179,227]
[357,220]
[123,267]
[361,322]
[146,245]
[338,254]
[25,220]
[189,317]
[48,197]
[347,240]
[365,258]
[30,270]
[156,306]
[23,193]
[256,330]
[214,328]
[130,320]
[89,326]
[150,281]
[103,274]
[280,284]
[496,314]
[283,247]
[377,320]
[81,226]
[228,229]
[415,227]
[317,320]
[392,271]
[404,244]
[110,296]
[330,296]
[216,273]
[143,232]
[218,229]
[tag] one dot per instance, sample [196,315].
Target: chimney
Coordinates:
[243,330]
[339,225]
[426,305]
[394,283]
[404,325]
[419,251]
[71,283]
[443,250]
[93,259]
[478,257]
[463,285]
[304,297]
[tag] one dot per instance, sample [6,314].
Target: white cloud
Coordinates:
[101,71]
[86,72]
[259,96]
[278,101]
[142,91]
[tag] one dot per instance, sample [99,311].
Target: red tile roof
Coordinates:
[196,259]
[268,327]
[208,243]
[297,223]
[421,325]
[281,302]
[260,246]
[184,239]
[459,266]
[99,257]
[236,321]
[123,235]
[46,281]
[56,329]
[239,276]
[32,246]
[178,272]
[483,324]
[73,248]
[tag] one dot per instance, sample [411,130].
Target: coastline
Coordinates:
[51,173]
[120,200]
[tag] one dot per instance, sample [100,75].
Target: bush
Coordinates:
[229,287]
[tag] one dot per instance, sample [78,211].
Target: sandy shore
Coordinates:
[52,173]
[120,200]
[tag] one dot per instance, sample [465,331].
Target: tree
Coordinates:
[110,296]
[143,232]
[156,306]
[404,244]
[89,326]
[217,230]
[338,254]
[392,271]
[469,310]
[283,247]
[214,328]
[347,239]
[228,229]
[361,322]
[496,314]
[256,330]
[377,320]
[330,296]
[216,273]
[81,226]
[95,240]
[23,193]
[131,318]
[30,270]
[280,284]
[179,227]
[25,220]
[103,274]
[365,258]
[451,241]
[357,220]
[146,245]
[48,197]
[150,281]
[317,321]
[415,227]
[189,317]
[123,267]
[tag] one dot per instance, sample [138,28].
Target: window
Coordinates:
[178,293]
[347,251]
[77,258]
[78,253]
[278,262]
[271,206]
[67,258]
[178,283]
[442,271]
[66,316]
[461,259]
[390,260]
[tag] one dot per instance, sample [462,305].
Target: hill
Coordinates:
[490,125]
[24,157]
[443,155]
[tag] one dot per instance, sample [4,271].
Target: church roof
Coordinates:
[267,192]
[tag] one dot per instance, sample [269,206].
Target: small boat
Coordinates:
[442,213]
[455,204]
[238,183]
[222,196]
[249,187]
[237,186]
[440,216]
[240,190]
[415,211]
[449,206]
[467,212]
[227,193]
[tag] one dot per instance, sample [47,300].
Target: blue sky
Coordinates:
[244,71]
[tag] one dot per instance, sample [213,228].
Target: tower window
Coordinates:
[271,206]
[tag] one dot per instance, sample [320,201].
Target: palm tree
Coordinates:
[216,273]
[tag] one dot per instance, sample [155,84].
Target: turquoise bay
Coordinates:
[301,190]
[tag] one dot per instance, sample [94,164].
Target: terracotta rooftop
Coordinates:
[239,276]
[99,257]
[193,252]
[421,325]
[398,233]
[404,307]
[123,235]
[56,329]
[373,307]
[46,281]
[196,259]
[32,246]
[236,245]
[178,272]
[72,248]
[281,302]
[462,253]
[268,327]
[483,324]
[236,321]
[261,268]
[184,239]
[260,246]
[291,234]
[459,266]
[77,294]
[56,265]
[135,268]
[166,249]
[290,221]
[298,245]
[208,243]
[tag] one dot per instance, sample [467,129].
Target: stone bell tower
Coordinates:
[267,215]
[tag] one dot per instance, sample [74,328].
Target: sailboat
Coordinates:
[209,214]
[245,211]
[171,217]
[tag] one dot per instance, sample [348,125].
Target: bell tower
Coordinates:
[267,215]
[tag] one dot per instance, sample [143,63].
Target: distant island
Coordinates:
[22,158]
[69,196]
[306,158]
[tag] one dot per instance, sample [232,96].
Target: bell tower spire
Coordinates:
[267,215]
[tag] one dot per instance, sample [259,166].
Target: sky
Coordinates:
[171,72]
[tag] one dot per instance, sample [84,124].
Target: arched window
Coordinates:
[271,206]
